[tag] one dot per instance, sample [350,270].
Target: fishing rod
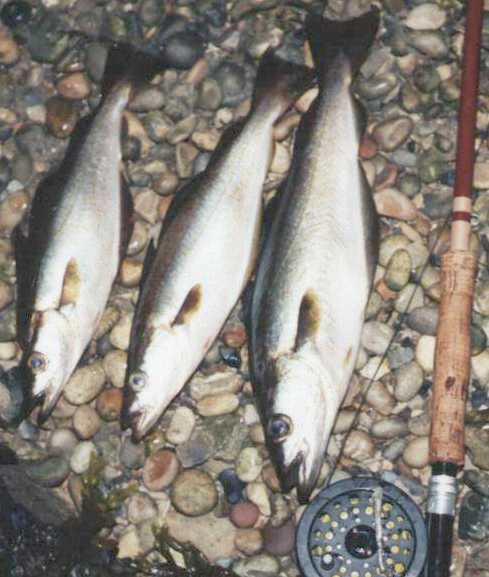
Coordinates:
[452,354]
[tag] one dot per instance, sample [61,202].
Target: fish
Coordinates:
[206,253]
[316,266]
[77,232]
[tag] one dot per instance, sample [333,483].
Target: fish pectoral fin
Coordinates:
[71,284]
[309,319]
[190,306]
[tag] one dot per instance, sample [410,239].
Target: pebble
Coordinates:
[160,470]
[429,43]
[218,383]
[121,333]
[109,404]
[81,457]
[344,420]
[62,442]
[109,318]
[409,380]
[393,132]
[115,366]
[233,486]
[141,508]
[398,270]
[85,384]
[244,515]
[212,535]
[147,99]
[9,51]
[214,405]
[279,540]
[420,425]
[359,446]
[199,448]
[75,86]
[48,472]
[210,96]
[477,481]
[377,86]
[477,443]
[409,298]
[474,517]
[389,428]
[16,12]
[129,546]
[186,153]
[257,493]
[393,204]
[263,564]
[130,272]
[426,17]
[425,353]
[249,464]
[194,493]
[61,117]
[181,426]
[376,337]
[183,49]
[231,78]
[424,320]
[393,450]
[6,294]
[481,175]
[249,541]
[380,399]
[417,454]
[389,245]
[132,455]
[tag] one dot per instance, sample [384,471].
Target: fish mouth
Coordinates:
[296,475]
[47,402]
[137,421]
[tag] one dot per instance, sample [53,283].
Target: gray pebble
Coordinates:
[376,337]
[210,96]
[49,472]
[199,448]
[264,565]
[393,132]
[132,455]
[85,384]
[420,425]
[231,78]
[409,380]
[393,450]
[380,399]
[430,43]
[398,270]
[424,320]
[150,98]
[389,428]
[95,58]
[141,508]
[377,86]
[62,442]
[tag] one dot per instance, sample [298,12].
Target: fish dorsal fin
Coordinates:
[71,283]
[190,306]
[309,319]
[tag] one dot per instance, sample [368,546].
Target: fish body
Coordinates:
[205,254]
[316,267]
[77,234]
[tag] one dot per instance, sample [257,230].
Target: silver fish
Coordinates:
[77,234]
[206,253]
[316,267]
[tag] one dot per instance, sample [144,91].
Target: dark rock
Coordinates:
[477,481]
[479,398]
[232,485]
[34,141]
[49,472]
[151,12]
[22,168]
[47,41]
[279,540]
[231,78]
[230,356]
[61,116]
[5,173]
[7,93]
[474,517]
[183,49]
[198,449]
[15,13]
[11,396]
[131,149]
[95,58]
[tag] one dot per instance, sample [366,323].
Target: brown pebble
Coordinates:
[6,294]
[163,206]
[249,541]
[9,50]
[279,540]
[130,272]
[75,86]
[234,336]
[368,148]
[109,404]
[61,116]
[270,478]
[244,515]
[86,422]
[384,291]
[160,470]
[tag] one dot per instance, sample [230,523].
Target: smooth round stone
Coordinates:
[406,301]
[409,184]
[75,86]
[425,353]
[186,154]
[389,245]
[130,272]
[141,508]
[210,96]
[257,493]
[158,125]
[121,333]
[150,98]
[198,449]
[62,442]
[409,381]
[477,442]
[81,457]
[478,340]
[215,405]
[359,446]
[61,117]
[160,470]
[9,50]
[427,16]
[115,366]
[166,184]
[109,404]
[398,270]
[12,209]
[430,43]
[6,294]
[231,78]
[183,49]
[249,464]
[244,515]
[86,422]
[8,351]
[424,320]
[249,541]
[132,455]
[393,132]
[394,449]
[263,564]
[95,59]
[218,383]
[110,317]
[393,204]
[129,546]
[49,472]
[417,453]
[344,420]
[389,428]
[279,540]
[194,493]
[480,367]
[234,335]
[377,86]
[380,398]
[376,337]
[420,425]
[16,12]
[181,426]
[85,384]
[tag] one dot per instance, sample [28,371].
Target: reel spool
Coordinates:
[338,534]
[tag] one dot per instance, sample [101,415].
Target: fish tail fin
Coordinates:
[125,64]
[279,83]
[353,38]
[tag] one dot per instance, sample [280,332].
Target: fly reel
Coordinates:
[361,528]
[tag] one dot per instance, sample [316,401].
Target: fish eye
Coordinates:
[280,428]
[37,362]
[137,381]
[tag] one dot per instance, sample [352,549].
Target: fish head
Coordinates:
[150,384]
[49,361]
[297,429]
